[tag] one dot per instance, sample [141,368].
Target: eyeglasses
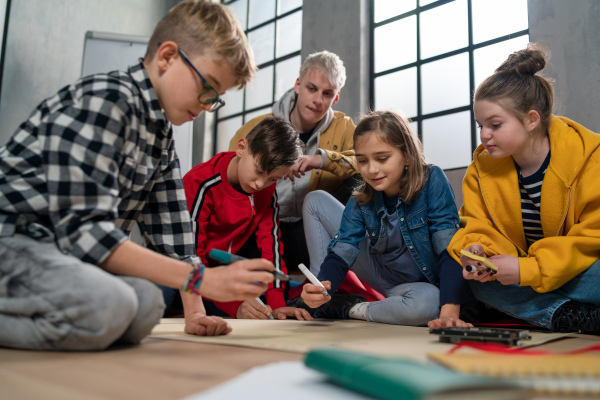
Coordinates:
[209,95]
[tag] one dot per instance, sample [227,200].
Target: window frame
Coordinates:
[470,49]
[276,60]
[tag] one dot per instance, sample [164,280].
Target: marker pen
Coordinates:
[263,304]
[229,258]
[313,279]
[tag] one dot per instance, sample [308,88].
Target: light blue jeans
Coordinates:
[405,303]
[538,308]
[53,301]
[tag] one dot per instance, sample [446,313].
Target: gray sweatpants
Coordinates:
[53,301]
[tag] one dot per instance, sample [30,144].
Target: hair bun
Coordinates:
[527,61]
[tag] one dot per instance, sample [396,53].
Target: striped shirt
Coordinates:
[90,162]
[531,191]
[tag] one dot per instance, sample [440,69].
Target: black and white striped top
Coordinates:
[531,191]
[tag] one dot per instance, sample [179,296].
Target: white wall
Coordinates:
[45,46]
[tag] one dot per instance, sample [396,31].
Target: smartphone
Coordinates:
[511,337]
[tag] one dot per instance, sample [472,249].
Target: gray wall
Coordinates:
[45,46]
[571,30]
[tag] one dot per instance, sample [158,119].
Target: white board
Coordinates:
[105,52]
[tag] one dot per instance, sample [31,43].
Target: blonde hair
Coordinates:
[329,63]
[517,86]
[394,130]
[201,27]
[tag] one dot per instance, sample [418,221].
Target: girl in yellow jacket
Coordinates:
[532,203]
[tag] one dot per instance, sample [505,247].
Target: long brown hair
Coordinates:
[394,130]
[517,86]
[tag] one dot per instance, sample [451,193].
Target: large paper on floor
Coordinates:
[303,336]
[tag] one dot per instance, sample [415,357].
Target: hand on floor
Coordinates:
[203,325]
[299,313]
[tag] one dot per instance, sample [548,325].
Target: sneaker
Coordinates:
[339,306]
[573,317]
[301,304]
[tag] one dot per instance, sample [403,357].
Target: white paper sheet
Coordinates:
[285,380]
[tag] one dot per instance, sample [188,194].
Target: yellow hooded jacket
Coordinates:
[569,210]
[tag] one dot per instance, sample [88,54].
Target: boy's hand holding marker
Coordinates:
[477,265]
[255,308]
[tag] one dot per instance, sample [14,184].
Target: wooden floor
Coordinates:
[156,369]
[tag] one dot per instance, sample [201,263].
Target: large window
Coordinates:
[274,29]
[429,56]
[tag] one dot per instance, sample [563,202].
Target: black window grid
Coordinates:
[273,63]
[470,48]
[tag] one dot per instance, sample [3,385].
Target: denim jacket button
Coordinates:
[373,234]
[410,247]
[401,219]
[424,268]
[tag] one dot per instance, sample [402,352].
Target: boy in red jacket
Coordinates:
[232,200]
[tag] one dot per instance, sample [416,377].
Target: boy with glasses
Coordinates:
[92,161]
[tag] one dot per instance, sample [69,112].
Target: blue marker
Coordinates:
[228,258]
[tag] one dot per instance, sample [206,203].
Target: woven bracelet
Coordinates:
[194,278]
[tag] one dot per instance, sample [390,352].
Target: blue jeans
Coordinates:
[538,308]
[405,304]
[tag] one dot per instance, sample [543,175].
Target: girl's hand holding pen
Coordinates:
[313,295]
[241,280]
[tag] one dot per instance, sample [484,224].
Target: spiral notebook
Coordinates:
[576,373]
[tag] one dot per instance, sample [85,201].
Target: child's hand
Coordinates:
[446,322]
[252,309]
[508,269]
[478,275]
[449,316]
[284,312]
[241,280]
[202,325]
[306,163]
[313,296]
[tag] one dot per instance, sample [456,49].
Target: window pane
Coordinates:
[495,18]
[288,5]
[388,53]
[488,58]
[225,131]
[445,83]
[256,113]
[240,9]
[385,9]
[260,92]
[286,73]
[289,34]
[234,101]
[262,42]
[425,2]
[447,140]
[444,29]
[260,11]
[397,92]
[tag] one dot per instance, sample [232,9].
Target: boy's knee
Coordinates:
[108,311]
[150,309]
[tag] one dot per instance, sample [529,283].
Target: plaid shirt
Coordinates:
[92,160]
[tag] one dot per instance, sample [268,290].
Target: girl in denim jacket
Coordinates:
[393,234]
